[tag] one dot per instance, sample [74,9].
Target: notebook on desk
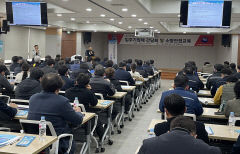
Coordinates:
[6,139]
[22,113]
[105,103]
[209,130]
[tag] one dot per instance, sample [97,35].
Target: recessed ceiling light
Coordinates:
[102,15]
[73,19]
[140,19]
[134,15]
[120,22]
[108,0]
[59,14]
[155,30]
[124,9]
[145,23]
[129,27]
[89,9]
[87,22]
[95,30]
[184,32]
[65,0]
[112,19]
[158,32]
[68,32]
[208,32]
[115,31]
[151,27]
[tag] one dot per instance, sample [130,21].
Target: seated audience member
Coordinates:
[30,86]
[14,63]
[37,61]
[234,105]
[83,69]
[115,66]
[18,69]
[44,63]
[4,82]
[90,63]
[175,106]
[148,68]
[233,68]
[50,67]
[194,66]
[140,69]
[57,59]
[2,63]
[236,147]
[193,81]
[101,85]
[237,75]
[135,74]
[180,140]
[55,108]
[9,110]
[108,63]
[225,92]
[82,90]
[226,64]
[122,74]
[225,73]
[152,65]
[103,62]
[110,74]
[63,72]
[181,88]
[23,74]
[129,63]
[215,76]
[68,62]
[207,68]
[75,66]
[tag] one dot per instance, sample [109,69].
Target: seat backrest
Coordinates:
[62,93]
[193,116]
[32,127]
[99,96]
[20,101]
[124,82]
[5,99]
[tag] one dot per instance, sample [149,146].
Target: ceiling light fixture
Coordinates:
[151,27]
[73,19]
[184,32]
[158,32]
[87,22]
[208,32]
[115,31]
[140,19]
[59,14]
[134,15]
[89,9]
[124,9]
[145,23]
[112,19]
[102,15]
[120,23]
[129,27]
[155,30]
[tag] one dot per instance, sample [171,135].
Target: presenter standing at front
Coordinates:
[89,54]
[36,51]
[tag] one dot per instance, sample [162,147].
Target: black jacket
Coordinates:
[85,96]
[48,69]
[236,147]
[122,74]
[237,75]
[27,88]
[141,71]
[176,142]
[164,127]
[17,70]
[9,111]
[68,83]
[212,79]
[195,83]
[99,85]
[5,84]
[75,73]
[116,84]
[13,66]
[148,69]
[217,84]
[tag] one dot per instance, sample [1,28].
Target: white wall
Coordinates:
[53,43]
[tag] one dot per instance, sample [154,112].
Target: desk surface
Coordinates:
[35,147]
[138,83]
[128,88]
[209,113]
[206,100]
[118,95]
[206,93]
[146,79]
[100,106]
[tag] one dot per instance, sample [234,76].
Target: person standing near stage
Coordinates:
[89,54]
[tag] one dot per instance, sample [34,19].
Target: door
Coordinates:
[69,44]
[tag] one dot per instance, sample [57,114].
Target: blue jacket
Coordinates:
[192,103]
[68,83]
[195,83]
[121,74]
[75,67]
[56,109]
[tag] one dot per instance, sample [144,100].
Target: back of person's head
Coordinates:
[63,70]
[218,67]
[99,70]
[122,64]
[50,62]
[36,73]
[232,66]
[133,67]
[136,60]
[147,63]
[174,104]
[105,59]
[109,63]
[237,90]
[57,59]
[151,61]
[187,64]
[58,56]
[206,63]
[97,59]
[183,123]
[232,79]
[2,68]
[61,62]
[192,63]
[129,61]
[181,81]
[115,66]
[109,72]
[15,59]
[83,79]
[67,60]
[37,59]
[84,66]
[238,67]
[47,57]
[139,62]
[188,70]
[226,71]
[25,68]
[226,63]
[79,58]
[51,82]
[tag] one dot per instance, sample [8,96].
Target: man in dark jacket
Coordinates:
[174,106]
[122,74]
[101,85]
[129,63]
[236,147]
[216,76]
[63,72]
[140,69]
[193,81]
[180,140]
[55,108]
[84,68]
[50,67]
[5,86]
[14,63]
[30,86]
[225,73]
[148,68]
[82,90]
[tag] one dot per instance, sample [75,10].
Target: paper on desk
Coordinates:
[238,131]
[22,112]
[209,130]
[105,103]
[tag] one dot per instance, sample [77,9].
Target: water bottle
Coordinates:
[231,121]
[42,128]
[76,102]
[11,76]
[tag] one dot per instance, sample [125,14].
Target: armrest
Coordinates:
[5,129]
[70,142]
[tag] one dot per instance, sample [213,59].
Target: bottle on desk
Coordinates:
[231,121]
[11,76]
[76,102]
[42,128]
